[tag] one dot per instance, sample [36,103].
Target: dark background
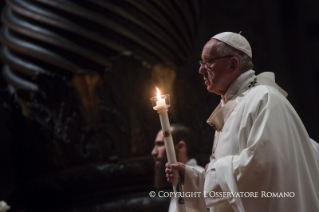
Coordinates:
[44,155]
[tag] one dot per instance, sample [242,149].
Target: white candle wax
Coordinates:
[160,102]
[171,156]
[162,110]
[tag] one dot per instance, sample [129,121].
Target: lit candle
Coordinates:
[160,101]
[162,109]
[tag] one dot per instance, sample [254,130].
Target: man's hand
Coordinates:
[180,167]
[210,159]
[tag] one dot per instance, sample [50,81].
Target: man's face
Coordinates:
[159,151]
[159,155]
[215,73]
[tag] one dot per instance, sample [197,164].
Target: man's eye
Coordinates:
[160,143]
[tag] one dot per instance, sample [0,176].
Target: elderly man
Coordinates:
[185,149]
[262,157]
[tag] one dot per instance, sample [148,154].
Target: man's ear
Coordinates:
[180,146]
[234,65]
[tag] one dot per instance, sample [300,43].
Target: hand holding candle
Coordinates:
[161,104]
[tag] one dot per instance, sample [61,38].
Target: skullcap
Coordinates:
[235,40]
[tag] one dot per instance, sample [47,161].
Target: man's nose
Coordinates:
[154,152]
[202,69]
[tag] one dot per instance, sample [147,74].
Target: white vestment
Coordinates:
[172,205]
[261,147]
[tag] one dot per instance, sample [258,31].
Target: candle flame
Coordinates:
[158,94]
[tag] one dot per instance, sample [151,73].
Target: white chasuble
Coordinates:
[264,156]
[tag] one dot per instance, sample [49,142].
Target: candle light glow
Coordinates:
[160,101]
[158,94]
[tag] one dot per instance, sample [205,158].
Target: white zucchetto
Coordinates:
[235,40]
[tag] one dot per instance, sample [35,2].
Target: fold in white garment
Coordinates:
[264,148]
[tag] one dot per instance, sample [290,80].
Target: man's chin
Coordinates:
[210,89]
[160,175]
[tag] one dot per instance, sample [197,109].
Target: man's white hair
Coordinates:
[244,60]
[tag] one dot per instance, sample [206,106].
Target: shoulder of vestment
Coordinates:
[264,91]
[263,96]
